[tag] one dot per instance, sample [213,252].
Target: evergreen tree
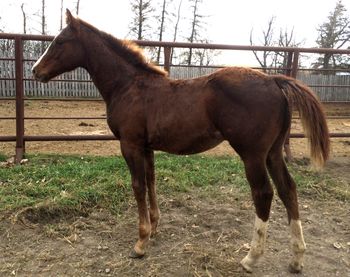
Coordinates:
[143,11]
[197,23]
[162,20]
[333,33]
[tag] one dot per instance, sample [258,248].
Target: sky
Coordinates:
[228,21]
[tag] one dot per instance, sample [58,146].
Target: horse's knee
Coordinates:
[139,189]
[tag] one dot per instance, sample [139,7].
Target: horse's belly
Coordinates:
[187,143]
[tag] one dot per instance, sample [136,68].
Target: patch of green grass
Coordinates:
[2,157]
[82,182]
[62,180]
[78,183]
[318,184]
[181,173]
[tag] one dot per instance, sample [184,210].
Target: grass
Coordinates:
[2,157]
[77,183]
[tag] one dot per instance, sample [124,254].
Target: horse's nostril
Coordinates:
[33,70]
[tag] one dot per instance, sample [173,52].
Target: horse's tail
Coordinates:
[312,116]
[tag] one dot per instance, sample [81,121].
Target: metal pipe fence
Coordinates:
[292,69]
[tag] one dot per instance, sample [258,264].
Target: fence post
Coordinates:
[289,63]
[20,146]
[167,54]
[292,70]
[295,64]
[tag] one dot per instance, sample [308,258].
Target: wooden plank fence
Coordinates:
[321,83]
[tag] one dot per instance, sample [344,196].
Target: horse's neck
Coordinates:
[109,72]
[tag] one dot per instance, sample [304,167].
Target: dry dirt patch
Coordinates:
[198,236]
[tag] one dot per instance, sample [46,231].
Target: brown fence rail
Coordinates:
[20,79]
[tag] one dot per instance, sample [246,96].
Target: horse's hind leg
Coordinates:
[286,189]
[262,194]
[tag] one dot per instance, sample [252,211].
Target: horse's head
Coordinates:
[65,52]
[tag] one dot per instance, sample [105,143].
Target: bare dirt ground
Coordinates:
[199,235]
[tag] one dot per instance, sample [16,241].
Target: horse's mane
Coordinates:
[127,49]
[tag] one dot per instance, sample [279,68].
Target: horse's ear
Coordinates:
[69,17]
[70,20]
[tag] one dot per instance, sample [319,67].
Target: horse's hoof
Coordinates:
[246,265]
[154,232]
[134,255]
[295,268]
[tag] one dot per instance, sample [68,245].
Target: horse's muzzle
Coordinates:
[39,77]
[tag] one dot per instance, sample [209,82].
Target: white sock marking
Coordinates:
[257,245]
[297,244]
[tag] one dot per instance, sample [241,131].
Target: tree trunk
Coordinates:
[175,29]
[43,19]
[43,24]
[139,35]
[191,39]
[161,29]
[24,19]
[77,6]
[326,58]
[61,19]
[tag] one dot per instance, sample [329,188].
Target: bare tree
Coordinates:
[6,50]
[43,18]
[274,59]
[142,10]
[24,19]
[333,33]
[265,58]
[40,19]
[43,25]
[195,26]
[61,17]
[205,57]
[161,27]
[286,39]
[195,56]
[77,6]
[178,16]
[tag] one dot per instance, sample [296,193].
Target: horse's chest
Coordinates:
[126,123]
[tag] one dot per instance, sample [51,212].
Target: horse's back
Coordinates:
[247,107]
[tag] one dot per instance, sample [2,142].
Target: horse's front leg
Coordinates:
[135,158]
[152,194]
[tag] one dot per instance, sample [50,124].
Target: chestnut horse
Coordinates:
[148,111]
